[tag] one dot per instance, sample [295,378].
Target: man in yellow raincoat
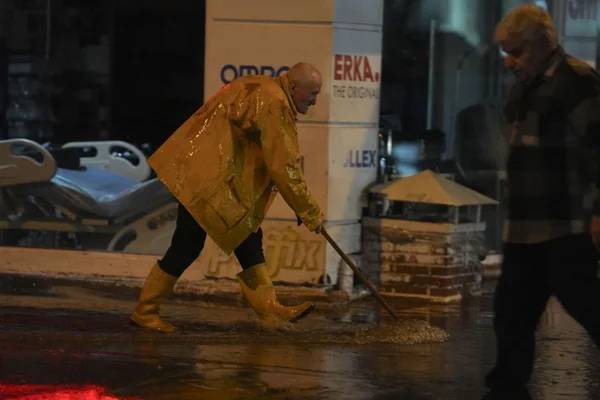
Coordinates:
[225,165]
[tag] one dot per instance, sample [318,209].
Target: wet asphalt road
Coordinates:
[67,334]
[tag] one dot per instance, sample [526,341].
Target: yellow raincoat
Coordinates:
[226,163]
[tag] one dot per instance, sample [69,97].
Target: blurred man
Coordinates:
[552,232]
[225,165]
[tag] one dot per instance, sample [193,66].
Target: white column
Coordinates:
[338,137]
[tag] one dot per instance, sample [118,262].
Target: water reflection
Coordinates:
[567,359]
[223,352]
[520,395]
[57,392]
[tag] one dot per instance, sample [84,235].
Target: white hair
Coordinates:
[527,22]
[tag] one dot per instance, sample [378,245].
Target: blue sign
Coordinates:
[361,159]
[230,72]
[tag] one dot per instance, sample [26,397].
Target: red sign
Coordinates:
[349,67]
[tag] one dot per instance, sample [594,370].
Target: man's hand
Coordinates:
[314,228]
[595,231]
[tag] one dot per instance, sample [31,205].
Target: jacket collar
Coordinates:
[284,82]
[552,64]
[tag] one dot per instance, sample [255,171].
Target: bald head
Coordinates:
[305,84]
[303,72]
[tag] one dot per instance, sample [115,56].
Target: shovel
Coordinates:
[358,272]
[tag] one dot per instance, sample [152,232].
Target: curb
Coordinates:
[128,271]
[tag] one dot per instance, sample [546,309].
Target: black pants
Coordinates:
[188,241]
[531,273]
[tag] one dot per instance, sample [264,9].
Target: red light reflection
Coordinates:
[57,392]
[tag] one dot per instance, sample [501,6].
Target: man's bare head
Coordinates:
[305,84]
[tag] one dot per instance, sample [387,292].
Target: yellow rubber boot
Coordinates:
[260,293]
[157,286]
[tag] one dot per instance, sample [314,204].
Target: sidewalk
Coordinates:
[130,270]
